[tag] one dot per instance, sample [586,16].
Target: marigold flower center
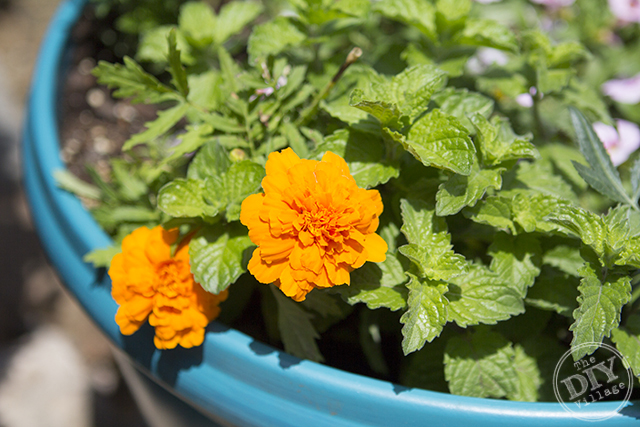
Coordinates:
[170,277]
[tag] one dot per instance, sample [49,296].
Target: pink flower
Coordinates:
[625,91]
[619,143]
[627,11]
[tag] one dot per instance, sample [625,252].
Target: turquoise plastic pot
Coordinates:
[232,378]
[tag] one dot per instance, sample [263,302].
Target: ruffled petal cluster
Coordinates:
[313,225]
[149,282]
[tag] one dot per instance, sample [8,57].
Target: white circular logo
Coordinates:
[605,375]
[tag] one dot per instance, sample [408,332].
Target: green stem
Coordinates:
[308,112]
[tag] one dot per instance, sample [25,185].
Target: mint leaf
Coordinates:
[377,285]
[494,211]
[600,302]
[155,129]
[429,245]
[554,291]
[635,180]
[485,32]
[211,160]
[233,18]
[364,154]
[530,210]
[540,177]
[273,37]
[296,330]
[481,365]
[229,190]
[426,313]
[480,296]
[417,13]
[386,112]
[460,190]
[462,104]
[218,255]
[440,140]
[197,21]
[184,198]
[516,260]
[564,258]
[601,175]
[194,138]
[528,375]
[498,143]
[579,222]
[627,341]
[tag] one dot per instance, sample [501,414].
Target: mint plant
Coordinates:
[504,217]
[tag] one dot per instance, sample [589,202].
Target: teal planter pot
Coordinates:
[231,379]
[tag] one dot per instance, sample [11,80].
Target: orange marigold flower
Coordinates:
[312,225]
[149,282]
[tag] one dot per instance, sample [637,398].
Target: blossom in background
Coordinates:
[620,142]
[484,58]
[312,224]
[624,91]
[148,282]
[554,4]
[626,11]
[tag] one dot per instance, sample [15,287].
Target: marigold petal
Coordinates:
[295,289]
[127,325]
[264,272]
[250,209]
[280,162]
[338,162]
[376,248]
[276,249]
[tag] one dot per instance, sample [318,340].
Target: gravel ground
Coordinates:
[56,369]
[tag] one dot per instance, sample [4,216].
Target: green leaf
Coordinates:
[131,81]
[153,46]
[600,302]
[426,314]
[377,285]
[177,71]
[429,245]
[460,191]
[564,258]
[554,291]
[601,175]
[635,180]
[155,129]
[516,260]
[194,138]
[184,198]
[579,222]
[101,258]
[451,13]
[71,183]
[494,211]
[485,32]
[219,255]
[272,37]
[462,104]
[540,177]
[480,296]
[206,90]
[234,17]
[241,180]
[440,140]
[297,332]
[528,375]
[627,341]
[197,21]
[498,143]
[364,154]
[211,160]
[387,113]
[530,210]
[482,365]
[417,13]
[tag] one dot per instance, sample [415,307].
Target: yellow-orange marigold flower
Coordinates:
[149,282]
[312,224]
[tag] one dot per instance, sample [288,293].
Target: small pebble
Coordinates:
[86,66]
[95,98]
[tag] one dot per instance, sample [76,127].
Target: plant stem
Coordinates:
[308,112]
